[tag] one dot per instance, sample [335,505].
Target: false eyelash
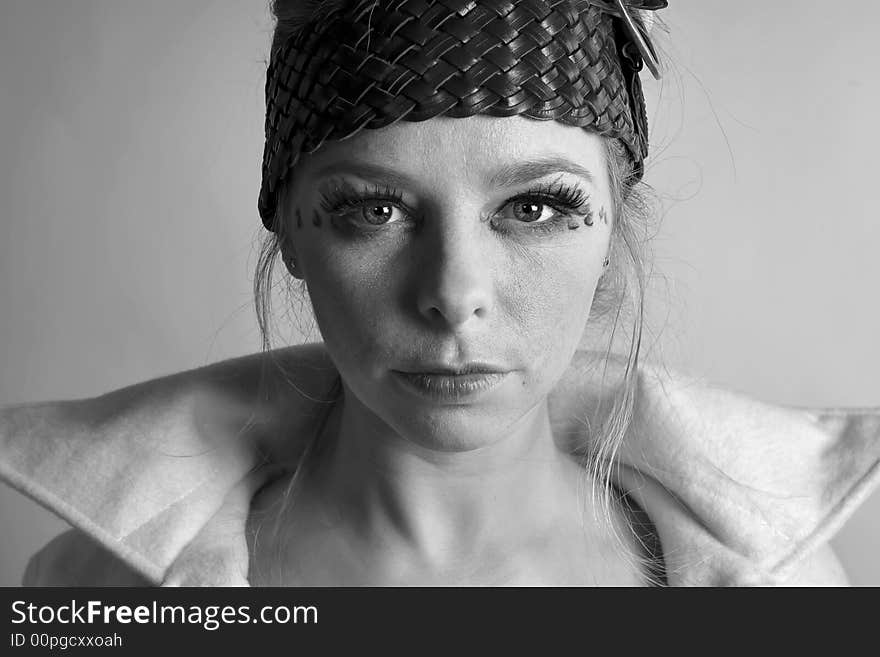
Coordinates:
[564,198]
[346,197]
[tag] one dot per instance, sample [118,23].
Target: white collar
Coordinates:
[159,473]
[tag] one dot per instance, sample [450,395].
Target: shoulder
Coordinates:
[74,559]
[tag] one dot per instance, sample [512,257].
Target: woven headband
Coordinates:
[373,62]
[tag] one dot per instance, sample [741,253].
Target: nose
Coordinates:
[454,277]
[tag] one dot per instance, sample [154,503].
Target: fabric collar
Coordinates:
[162,473]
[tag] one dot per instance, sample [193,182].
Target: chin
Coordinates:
[457,427]
[450,429]
[441,424]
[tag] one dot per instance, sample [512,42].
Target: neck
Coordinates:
[444,507]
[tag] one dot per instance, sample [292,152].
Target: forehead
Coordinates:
[475,148]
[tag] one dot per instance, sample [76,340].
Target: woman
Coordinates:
[457,417]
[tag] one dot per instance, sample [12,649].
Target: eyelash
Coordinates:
[340,198]
[564,199]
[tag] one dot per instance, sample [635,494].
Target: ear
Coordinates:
[288,256]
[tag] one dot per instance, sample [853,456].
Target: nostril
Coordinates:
[453,285]
[454,313]
[434,313]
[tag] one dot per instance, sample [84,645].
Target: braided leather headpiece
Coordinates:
[373,62]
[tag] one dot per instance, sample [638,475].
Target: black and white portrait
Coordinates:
[438,293]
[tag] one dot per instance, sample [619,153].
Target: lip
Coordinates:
[472,367]
[450,387]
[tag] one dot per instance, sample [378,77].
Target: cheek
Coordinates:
[551,302]
[541,301]
[346,290]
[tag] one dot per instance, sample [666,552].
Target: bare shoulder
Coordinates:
[74,559]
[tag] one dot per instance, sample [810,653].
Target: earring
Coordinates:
[607,262]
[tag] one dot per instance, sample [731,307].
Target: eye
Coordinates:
[532,210]
[367,207]
[546,203]
[379,213]
[546,209]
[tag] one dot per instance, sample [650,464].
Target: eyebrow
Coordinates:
[367,171]
[508,175]
[522,172]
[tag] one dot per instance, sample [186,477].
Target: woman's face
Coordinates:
[445,242]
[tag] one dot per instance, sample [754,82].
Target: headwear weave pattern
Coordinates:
[373,62]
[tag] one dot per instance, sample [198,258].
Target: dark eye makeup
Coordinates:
[344,198]
[368,208]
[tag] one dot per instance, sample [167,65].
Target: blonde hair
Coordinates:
[619,296]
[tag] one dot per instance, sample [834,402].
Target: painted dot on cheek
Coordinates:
[573,224]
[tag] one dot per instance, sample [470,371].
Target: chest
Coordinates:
[307,550]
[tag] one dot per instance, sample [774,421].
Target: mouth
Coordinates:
[452,384]
[457,370]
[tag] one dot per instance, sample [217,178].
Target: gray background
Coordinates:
[130,144]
